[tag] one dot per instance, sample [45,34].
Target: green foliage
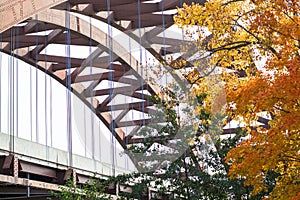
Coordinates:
[194,176]
[200,173]
[95,190]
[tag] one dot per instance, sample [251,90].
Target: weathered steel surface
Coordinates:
[15,11]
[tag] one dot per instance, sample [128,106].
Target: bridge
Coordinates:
[76,79]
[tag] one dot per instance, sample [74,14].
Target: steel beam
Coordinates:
[15,11]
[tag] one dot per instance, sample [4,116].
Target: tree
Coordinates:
[94,189]
[259,40]
[201,172]
[192,177]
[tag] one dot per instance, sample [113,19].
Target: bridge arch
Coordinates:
[31,46]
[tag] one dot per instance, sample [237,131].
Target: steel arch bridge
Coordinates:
[30,30]
[112,34]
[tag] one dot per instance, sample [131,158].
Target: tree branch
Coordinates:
[225,47]
[281,109]
[257,38]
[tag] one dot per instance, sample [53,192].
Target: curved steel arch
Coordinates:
[55,21]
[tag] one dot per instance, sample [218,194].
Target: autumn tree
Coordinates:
[257,42]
